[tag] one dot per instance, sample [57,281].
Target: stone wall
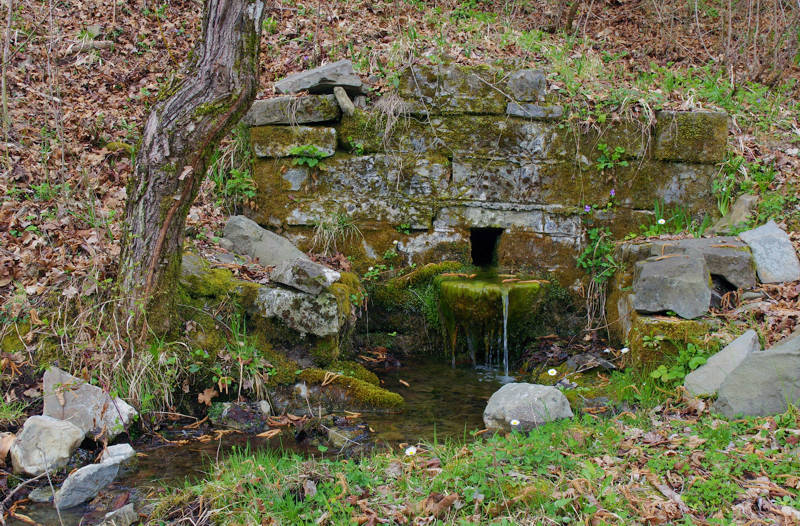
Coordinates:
[457,148]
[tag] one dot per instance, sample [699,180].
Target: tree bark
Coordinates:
[178,139]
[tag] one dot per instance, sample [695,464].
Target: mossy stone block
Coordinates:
[454,89]
[697,136]
[293,110]
[281,141]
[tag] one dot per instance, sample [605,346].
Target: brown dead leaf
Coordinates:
[207,395]
[6,441]
[272,433]
[403,382]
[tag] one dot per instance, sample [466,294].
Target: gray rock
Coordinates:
[282,141]
[725,256]
[124,516]
[292,110]
[678,282]
[45,443]
[305,275]
[118,453]
[305,313]
[249,239]
[88,407]
[737,216]
[84,484]
[323,79]
[347,106]
[530,404]
[765,383]
[707,378]
[775,257]
[534,111]
[43,494]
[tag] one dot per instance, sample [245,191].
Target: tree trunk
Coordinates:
[178,139]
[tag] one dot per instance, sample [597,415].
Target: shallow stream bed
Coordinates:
[442,403]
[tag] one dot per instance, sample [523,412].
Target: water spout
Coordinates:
[504,294]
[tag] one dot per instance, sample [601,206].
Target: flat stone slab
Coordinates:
[86,406]
[706,379]
[323,79]
[283,141]
[524,406]
[45,443]
[305,275]
[773,252]
[676,282]
[694,136]
[84,484]
[292,110]
[534,111]
[765,383]
[246,237]
[725,256]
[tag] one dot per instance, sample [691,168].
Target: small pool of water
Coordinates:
[442,402]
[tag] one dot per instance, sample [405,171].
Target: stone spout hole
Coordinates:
[483,242]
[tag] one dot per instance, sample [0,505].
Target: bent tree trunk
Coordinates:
[178,139]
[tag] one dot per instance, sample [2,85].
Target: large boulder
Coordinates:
[676,282]
[244,236]
[727,257]
[305,275]
[88,407]
[524,406]
[765,383]
[323,79]
[45,443]
[292,110]
[305,313]
[707,378]
[84,484]
[773,252]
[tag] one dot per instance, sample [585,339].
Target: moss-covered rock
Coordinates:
[652,339]
[363,393]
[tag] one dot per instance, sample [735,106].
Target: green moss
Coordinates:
[691,136]
[279,141]
[354,370]
[325,350]
[11,341]
[363,132]
[653,339]
[361,391]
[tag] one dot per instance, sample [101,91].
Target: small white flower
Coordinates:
[394,242]
[552,372]
[411,451]
[624,350]
[662,221]
[606,350]
[370,268]
[514,422]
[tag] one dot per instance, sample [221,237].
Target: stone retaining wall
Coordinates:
[456,148]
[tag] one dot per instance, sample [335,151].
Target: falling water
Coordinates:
[504,294]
